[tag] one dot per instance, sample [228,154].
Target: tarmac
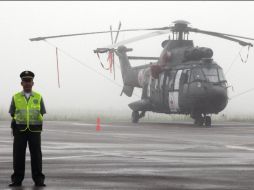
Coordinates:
[177,156]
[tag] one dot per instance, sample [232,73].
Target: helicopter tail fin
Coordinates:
[127,90]
[124,62]
[129,75]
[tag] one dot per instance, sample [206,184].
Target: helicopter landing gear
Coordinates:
[208,121]
[135,116]
[200,120]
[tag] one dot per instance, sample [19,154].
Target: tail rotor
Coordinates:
[111,54]
[110,51]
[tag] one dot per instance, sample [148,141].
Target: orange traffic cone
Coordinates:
[98,125]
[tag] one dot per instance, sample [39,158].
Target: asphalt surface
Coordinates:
[139,156]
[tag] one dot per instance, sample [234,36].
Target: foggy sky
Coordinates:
[82,89]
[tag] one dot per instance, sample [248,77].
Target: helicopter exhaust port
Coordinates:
[198,53]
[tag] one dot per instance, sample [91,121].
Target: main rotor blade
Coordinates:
[117,34]
[100,32]
[246,38]
[222,35]
[111,35]
[138,38]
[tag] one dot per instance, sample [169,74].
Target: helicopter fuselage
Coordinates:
[184,80]
[190,88]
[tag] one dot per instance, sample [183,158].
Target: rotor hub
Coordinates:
[180,26]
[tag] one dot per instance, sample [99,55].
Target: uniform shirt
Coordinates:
[27,95]
[13,108]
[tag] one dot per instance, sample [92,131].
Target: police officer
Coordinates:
[27,109]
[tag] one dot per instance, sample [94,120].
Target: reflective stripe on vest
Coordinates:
[28,112]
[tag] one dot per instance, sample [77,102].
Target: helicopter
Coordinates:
[184,79]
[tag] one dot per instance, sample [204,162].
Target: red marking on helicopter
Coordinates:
[166,57]
[156,70]
[110,60]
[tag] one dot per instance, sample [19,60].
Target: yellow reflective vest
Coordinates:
[27,113]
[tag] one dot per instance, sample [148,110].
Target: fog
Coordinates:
[84,90]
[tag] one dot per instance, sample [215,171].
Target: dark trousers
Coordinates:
[19,156]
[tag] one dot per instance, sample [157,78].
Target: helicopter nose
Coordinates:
[216,97]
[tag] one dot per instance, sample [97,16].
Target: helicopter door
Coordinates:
[183,98]
[173,95]
[149,89]
[158,93]
[154,90]
[184,81]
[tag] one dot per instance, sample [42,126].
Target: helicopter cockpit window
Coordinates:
[197,75]
[211,74]
[221,75]
[185,76]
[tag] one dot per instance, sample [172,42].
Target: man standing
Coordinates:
[27,109]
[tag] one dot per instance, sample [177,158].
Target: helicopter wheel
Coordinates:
[208,121]
[135,117]
[199,121]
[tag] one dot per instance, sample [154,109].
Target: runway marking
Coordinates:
[126,124]
[240,147]
[91,124]
[5,128]
[126,135]
[7,141]
[234,124]
[70,132]
[48,158]
[63,157]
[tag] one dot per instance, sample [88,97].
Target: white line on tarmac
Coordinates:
[234,124]
[48,158]
[240,147]
[5,129]
[126,124]
[5,141]
[70,132]
[122,135]
[63,157]
[90,124]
